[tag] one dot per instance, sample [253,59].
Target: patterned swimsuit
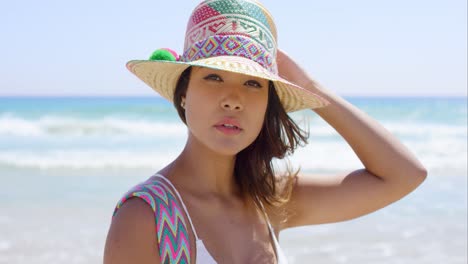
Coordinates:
[171,226]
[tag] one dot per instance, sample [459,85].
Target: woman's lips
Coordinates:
[229,126]
[228,130]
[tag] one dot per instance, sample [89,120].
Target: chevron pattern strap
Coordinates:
[171,227]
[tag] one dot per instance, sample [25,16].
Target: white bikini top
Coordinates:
[203,256]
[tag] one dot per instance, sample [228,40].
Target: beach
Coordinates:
[65,162]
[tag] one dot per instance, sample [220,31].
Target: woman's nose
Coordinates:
[232,102]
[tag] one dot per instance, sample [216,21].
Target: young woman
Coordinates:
[220,200]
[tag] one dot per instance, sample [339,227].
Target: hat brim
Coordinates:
[162,76]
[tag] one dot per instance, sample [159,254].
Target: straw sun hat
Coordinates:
[232,35]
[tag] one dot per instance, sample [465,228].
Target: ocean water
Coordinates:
[64,163]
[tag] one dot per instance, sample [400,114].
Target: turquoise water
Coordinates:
[64,163]
[442,110]
[105,132]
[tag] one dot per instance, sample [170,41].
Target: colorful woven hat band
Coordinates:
[230,46]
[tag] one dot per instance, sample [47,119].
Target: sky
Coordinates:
[354,48]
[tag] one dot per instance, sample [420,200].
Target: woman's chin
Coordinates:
[227,148]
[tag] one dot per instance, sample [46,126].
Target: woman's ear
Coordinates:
[182,102]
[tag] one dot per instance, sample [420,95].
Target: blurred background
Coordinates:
[77,130]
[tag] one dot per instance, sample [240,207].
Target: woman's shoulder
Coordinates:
[145,219]
[134,214]
[132,236]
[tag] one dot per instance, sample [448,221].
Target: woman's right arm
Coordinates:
[132,235]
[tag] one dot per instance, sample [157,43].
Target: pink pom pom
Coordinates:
[176,56]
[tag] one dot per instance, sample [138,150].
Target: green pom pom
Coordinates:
[162,54]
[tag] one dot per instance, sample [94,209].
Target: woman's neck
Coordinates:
[202,170]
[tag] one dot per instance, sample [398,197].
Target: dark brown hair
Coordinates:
[278,138]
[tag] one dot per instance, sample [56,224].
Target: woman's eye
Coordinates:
[213,77]
[253,84]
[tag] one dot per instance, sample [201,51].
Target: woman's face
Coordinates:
[225,111]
